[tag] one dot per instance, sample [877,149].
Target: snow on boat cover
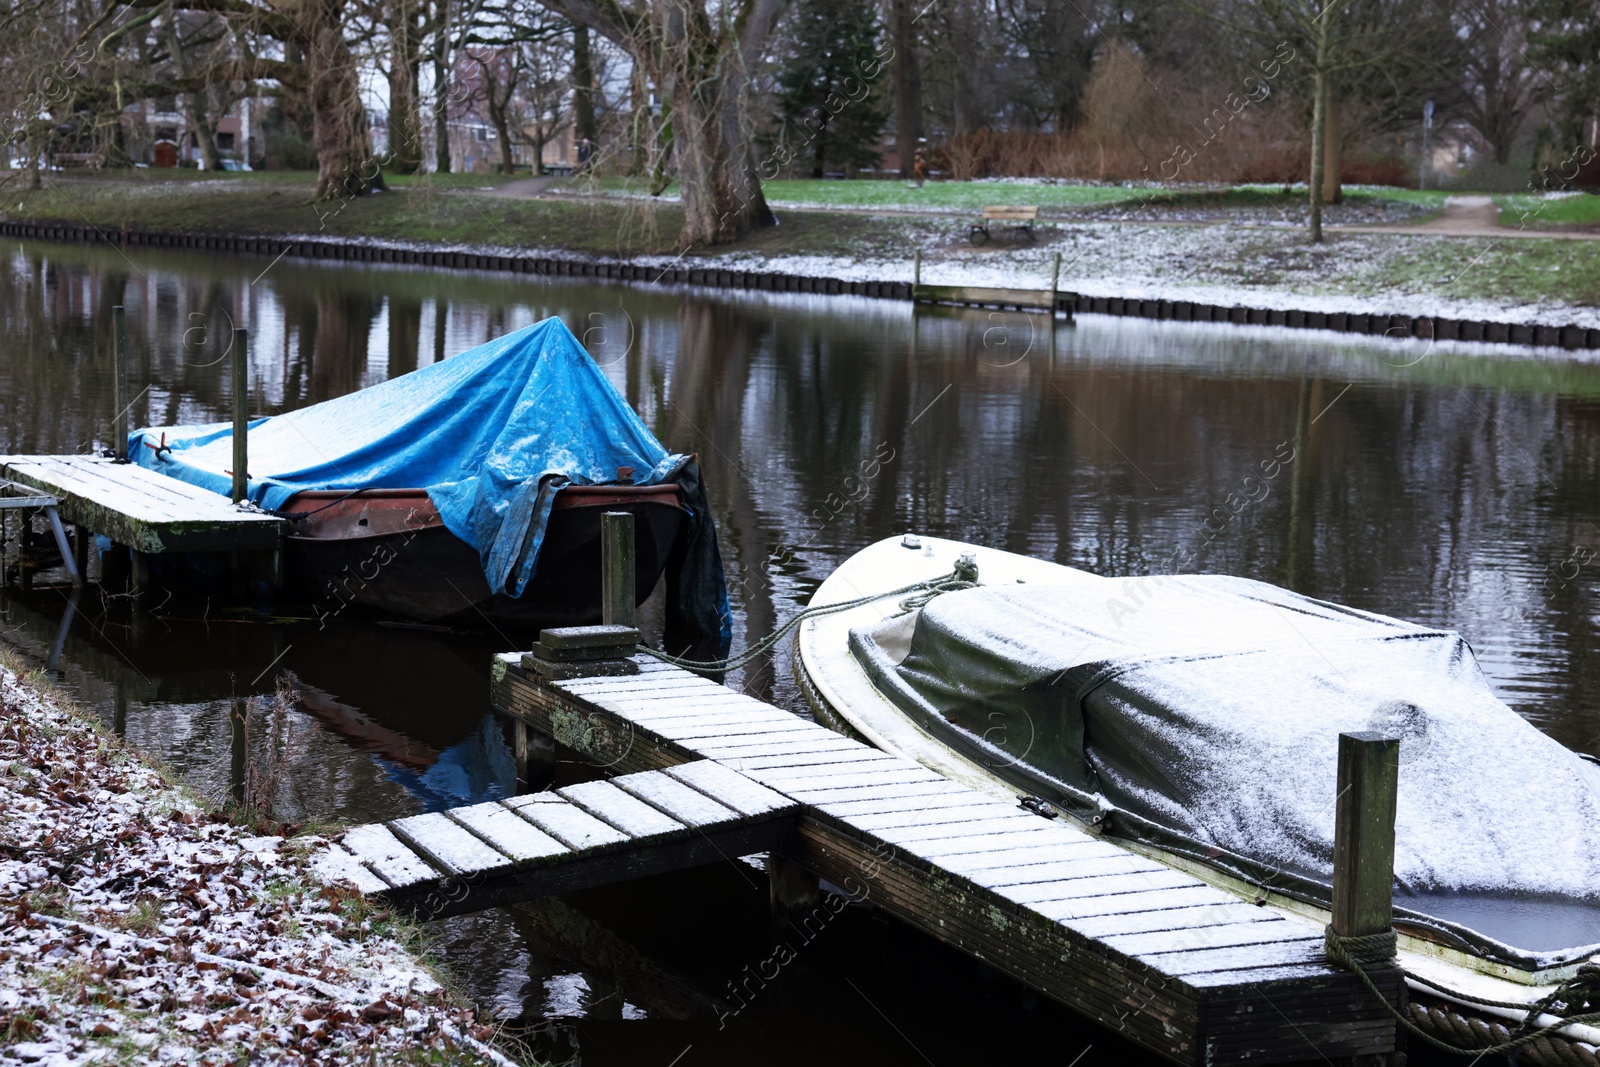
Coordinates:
[1202,717]
[491,434]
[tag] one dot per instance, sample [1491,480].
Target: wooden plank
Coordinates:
[747,730]
[1100,886]
[729,788]
[508,832]
[448,845]
[826,758]
[565,821]
[621,809]
[1305,950]
[1190,917]
[705,714]
[594,687]
[1068,911]
[824,742]
[868,791]
[1008,823]
[964,808]
[806,781]
[334,864]
[955,796]
[388,858]
[686,804]
[1068,850]
[1264,930]
[1043,873]
[994,843]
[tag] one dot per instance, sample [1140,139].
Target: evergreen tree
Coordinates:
[1564,40]
[833,88]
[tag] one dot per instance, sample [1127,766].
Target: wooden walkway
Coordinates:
[142,509]
[1182,968]
[595,833]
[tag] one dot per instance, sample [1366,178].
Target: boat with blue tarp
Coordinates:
[471,491]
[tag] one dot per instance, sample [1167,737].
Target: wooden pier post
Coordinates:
[916,273]
[236,750]
[241,414]
[792,890]
[535,754]
[1363,836]
[617,574]
[1363,858]
[1055,287]
[119,382]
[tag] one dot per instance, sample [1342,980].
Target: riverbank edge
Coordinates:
[1570,337]
[165,791]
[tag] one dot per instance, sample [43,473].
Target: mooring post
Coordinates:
[535,753]
[616,570]
[241,414]
[236,750]
[793,890]
[1055,286]
[1363,849]
[916,273]
[119,382]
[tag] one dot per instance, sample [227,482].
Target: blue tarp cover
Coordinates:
[479,431]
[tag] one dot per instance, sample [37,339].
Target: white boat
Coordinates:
[1194,719]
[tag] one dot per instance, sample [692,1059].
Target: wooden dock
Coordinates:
[147,512]
[1050,300]
[1180,967]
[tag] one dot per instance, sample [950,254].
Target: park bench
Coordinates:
[1021,221]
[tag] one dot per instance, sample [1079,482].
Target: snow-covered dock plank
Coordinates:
[1180,967]
[143,509]
[583,835]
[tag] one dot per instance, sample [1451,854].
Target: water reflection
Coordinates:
[1453,487]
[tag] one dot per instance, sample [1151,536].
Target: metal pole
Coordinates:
[1055,286]
[616,568]
[241,415]
[916,272]
[119,382]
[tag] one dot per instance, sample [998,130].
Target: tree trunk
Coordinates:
[204,135]
[1318,119]
[907,83]
[441,92]
[583,87]
[339,134]
[405,114]
[1333,138]
[502,130]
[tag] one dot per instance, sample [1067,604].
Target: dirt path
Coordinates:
[1469,216]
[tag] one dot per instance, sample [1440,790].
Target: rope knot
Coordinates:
[1364,953]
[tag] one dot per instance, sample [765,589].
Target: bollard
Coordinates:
[616,567]
[241,415]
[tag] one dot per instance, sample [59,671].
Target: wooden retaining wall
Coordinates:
[1423,326]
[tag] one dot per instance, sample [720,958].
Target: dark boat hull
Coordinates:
[387,551]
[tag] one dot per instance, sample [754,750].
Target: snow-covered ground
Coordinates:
[142,929]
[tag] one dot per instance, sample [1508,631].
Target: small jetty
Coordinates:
[148,513]
[702,774]
[1051,300]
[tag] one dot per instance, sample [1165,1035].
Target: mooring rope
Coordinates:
[1377,951]
[964,576]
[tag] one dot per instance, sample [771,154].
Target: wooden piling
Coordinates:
[119,382]
[916,272]
[1055,285]
[1363,848]
[236,751]
[535,755]
[617,573]
[792,889]
[241,414]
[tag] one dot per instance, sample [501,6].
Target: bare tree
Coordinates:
[701,56]
[1499,80]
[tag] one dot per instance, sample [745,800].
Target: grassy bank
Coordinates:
[1236,245]
[143,927]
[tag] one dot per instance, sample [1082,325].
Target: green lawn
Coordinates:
[1540,212]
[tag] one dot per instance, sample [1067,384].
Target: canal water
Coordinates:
[1454,486]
